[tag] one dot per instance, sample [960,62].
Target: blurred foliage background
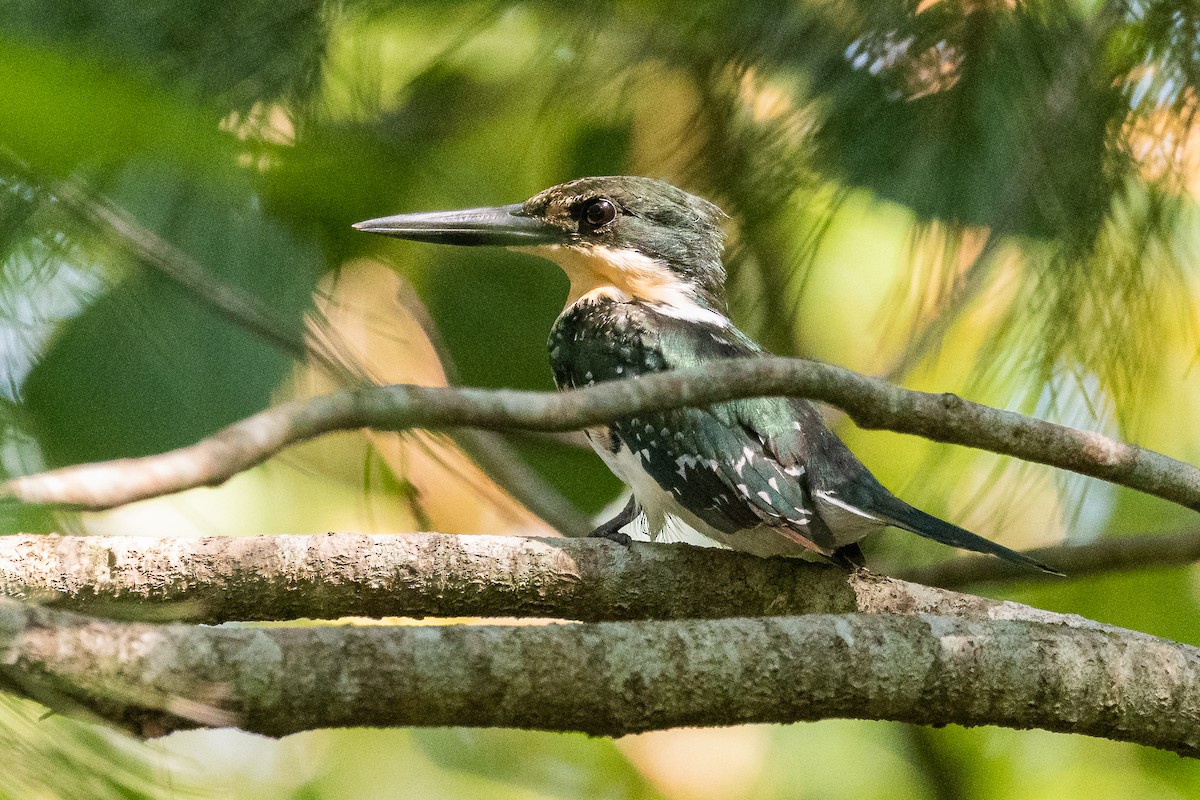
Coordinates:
[995,198]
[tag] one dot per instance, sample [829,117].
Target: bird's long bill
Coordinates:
[502,226]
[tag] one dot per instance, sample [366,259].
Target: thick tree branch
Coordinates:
[618,678]
[917,654]
[222,579]
[870,402]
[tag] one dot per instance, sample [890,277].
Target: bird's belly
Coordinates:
[625,464]
[660,507]
[762,541]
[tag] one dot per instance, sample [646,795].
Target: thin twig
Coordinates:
[870,402]
[322,346]
[236,306]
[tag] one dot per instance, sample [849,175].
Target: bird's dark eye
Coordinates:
[600,211]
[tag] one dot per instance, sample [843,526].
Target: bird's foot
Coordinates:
[611,530]
[850,558]
[612,534]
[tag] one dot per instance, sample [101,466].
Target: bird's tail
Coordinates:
[896,512]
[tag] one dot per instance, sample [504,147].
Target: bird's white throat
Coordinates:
[598,272]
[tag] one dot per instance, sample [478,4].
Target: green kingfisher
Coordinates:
[647,294]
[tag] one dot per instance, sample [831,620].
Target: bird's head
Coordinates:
[621,237]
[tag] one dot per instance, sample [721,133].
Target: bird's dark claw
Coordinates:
[611,529]
[604,532]
[850,558]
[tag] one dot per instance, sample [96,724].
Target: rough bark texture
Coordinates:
[683,654]
[871,403]
[868,646]
[617,678]
[222,579]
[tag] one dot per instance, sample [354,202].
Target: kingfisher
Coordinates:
[647,294]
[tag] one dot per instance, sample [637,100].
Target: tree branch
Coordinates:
[617,678]
[870,402]
[222,579]
[870,647]
[327,352]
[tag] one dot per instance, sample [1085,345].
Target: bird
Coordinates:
[647,294]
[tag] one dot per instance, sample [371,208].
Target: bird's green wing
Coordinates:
[735,465]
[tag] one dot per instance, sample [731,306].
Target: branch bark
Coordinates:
[617,678]
[267,578]
[870,402]
[867,646]
[262,578]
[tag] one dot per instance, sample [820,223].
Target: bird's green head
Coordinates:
[621,237]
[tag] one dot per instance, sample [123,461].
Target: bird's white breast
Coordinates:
[626,465]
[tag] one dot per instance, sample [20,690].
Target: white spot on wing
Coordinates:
[685,462]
